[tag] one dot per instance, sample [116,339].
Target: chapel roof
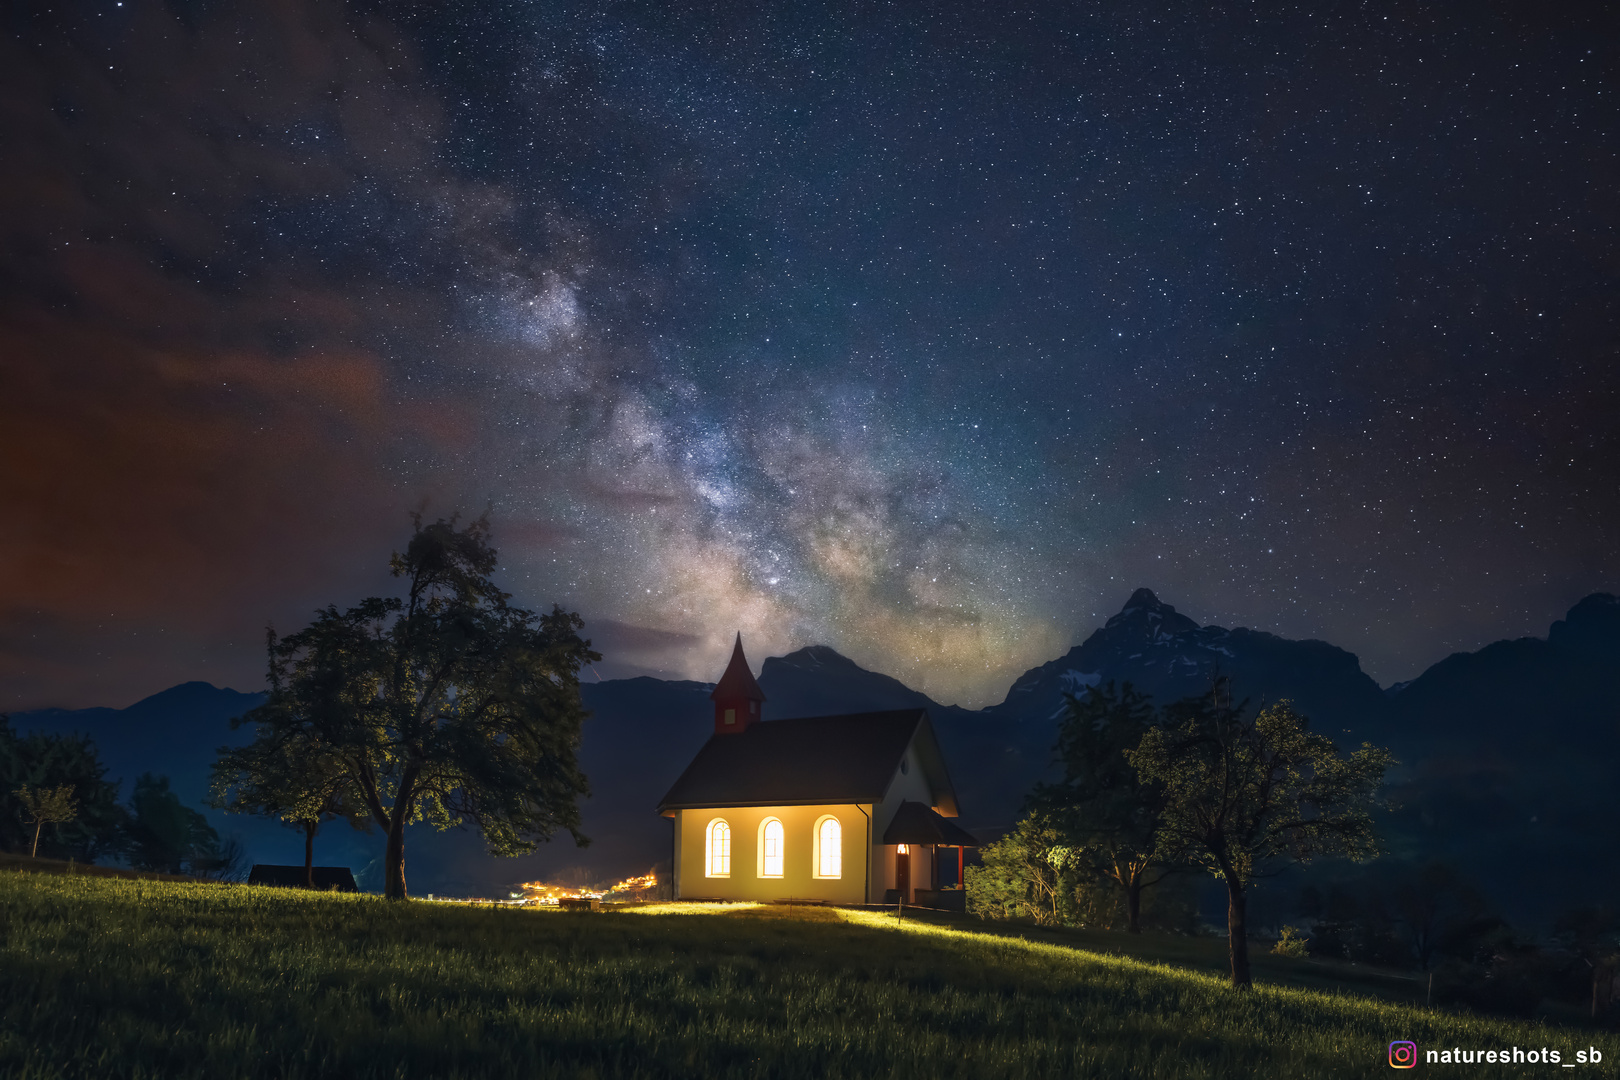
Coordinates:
[738,681]
[813,759]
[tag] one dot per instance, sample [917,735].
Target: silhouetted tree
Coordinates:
[1441,912]
[448,705]
[1241,793]
[169,837]
[46,806]
[285,775]
[1103,805]
[1593,934]
[1404,915]
[42,760]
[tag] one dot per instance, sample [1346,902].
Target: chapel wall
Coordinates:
[798,881]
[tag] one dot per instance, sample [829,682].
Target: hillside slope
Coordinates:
[356,986]
[1510,755]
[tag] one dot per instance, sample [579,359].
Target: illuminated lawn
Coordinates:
[102,977]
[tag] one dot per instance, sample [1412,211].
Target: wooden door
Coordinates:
[902,872]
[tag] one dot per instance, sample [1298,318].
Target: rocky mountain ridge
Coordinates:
[1168,655]
[1510,751]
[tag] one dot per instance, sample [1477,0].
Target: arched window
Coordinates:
[717,849]
[829,854]
[770,848]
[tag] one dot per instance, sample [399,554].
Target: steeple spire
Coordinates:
[737,697]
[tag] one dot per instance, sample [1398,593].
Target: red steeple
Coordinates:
[737,697]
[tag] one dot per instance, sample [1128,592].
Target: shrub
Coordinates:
[1291,943]
[1027,874]
[1035,873]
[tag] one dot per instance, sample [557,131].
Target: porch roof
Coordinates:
[914,823]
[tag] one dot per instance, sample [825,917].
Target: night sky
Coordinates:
[927,332]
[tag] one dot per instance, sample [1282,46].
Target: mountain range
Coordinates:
[1509,756]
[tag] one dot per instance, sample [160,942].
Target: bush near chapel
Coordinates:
[1035,873]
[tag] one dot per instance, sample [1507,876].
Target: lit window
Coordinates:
[717,849]
[902,849]
[770,848]
[829,848]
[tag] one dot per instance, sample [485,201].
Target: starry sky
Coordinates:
[928,332]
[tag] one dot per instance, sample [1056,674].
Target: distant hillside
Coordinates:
[175,732]
[1513,761]
[640,731]
[1510,755]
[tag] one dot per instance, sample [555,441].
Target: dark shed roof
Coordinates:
[914,823]
[815,759]
[326,877]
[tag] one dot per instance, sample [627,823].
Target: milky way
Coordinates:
[928,333]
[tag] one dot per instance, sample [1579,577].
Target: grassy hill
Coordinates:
[30,865]
[106,977]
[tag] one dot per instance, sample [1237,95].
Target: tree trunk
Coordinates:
[1133,905]
[394,859]
[394,853]
[1237,932]
[33,852]
[309,853]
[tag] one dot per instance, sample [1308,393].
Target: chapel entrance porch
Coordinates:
[925,856]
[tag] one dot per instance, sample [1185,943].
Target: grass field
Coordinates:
[27,864]
[105,977]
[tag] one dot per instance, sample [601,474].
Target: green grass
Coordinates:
[103,977]
[28,864]
[1209,954]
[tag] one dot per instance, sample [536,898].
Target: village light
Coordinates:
[546,895]
[902,849]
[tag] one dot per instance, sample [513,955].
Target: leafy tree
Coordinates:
[1291,942]
[1593,935]
[169,837]
[1036,873]
[1442,912]
[449,705]
[43,760]
[46,806]
[1240,794]
[283,776]
[1354,923]
[1109,812]
[1027,874]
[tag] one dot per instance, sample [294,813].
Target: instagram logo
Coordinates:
[1402,1054]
